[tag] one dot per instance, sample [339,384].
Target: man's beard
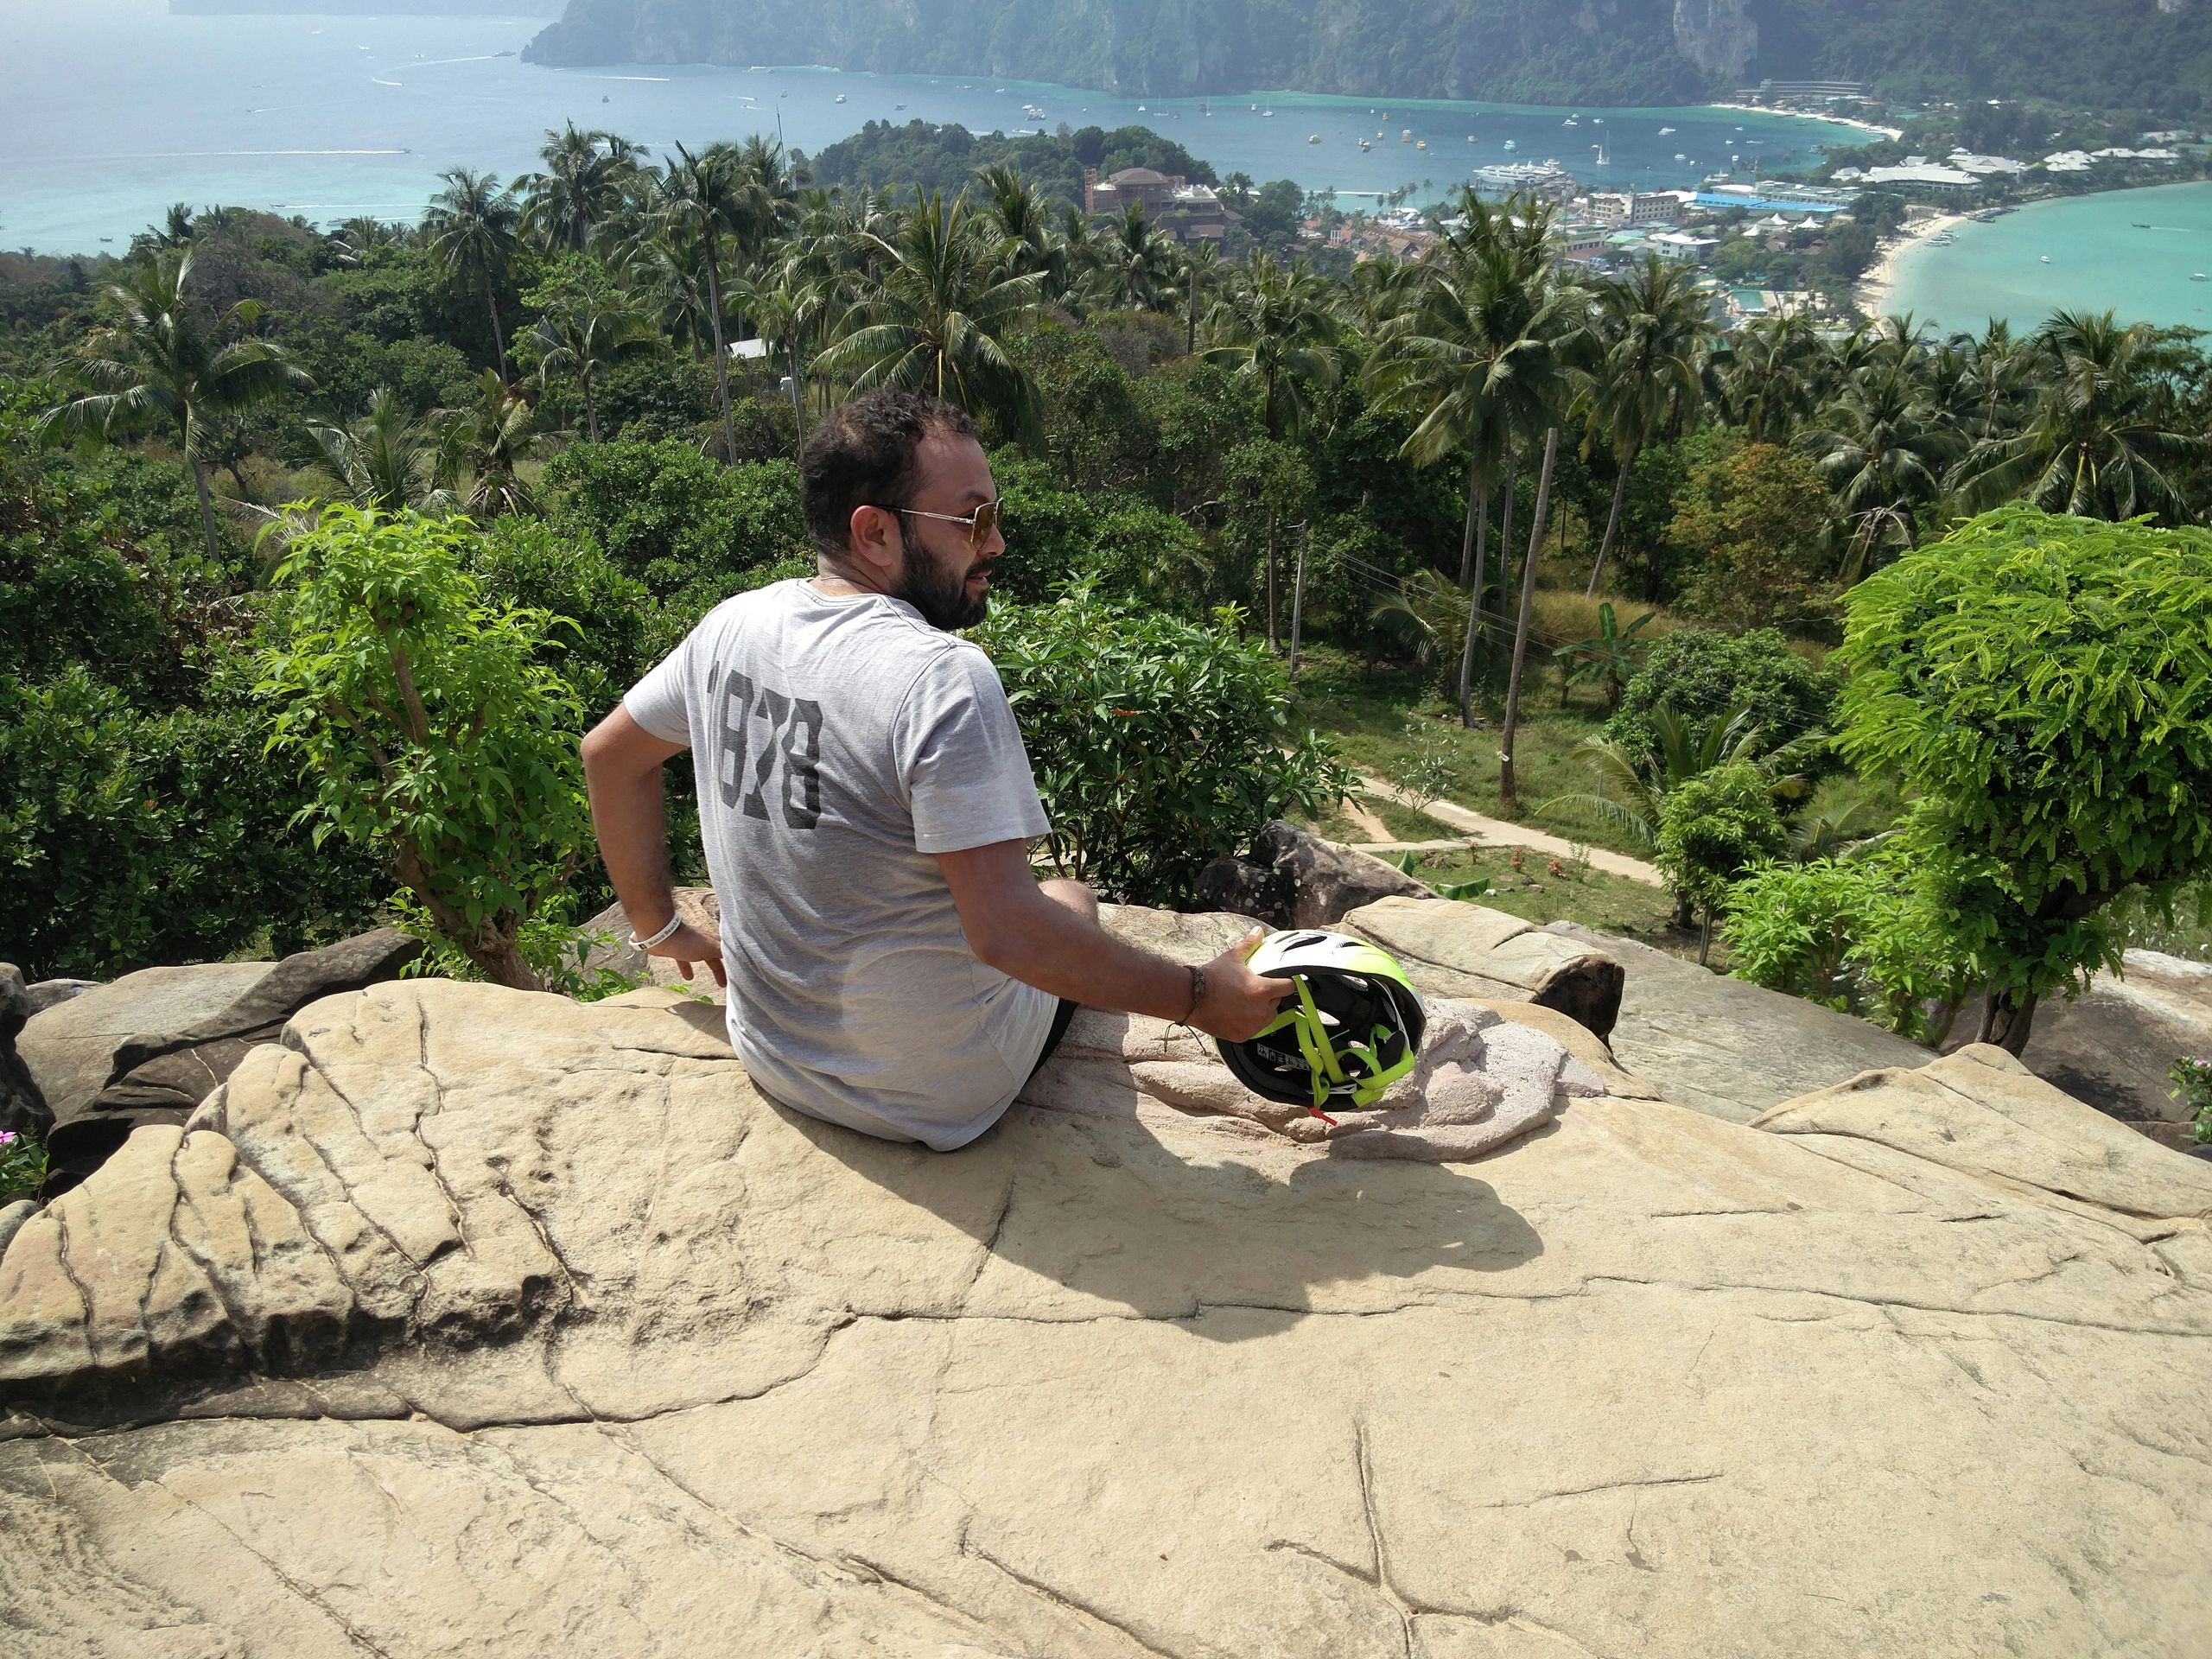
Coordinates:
[939,595]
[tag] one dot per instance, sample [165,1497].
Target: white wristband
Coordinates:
[674,922]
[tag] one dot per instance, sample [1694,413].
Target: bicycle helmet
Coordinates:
[1352,1028]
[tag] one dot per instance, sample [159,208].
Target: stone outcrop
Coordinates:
[161,1073]
[1291,878]
[466,1321]
[1455,949]
[472,1321]
[22,1107]
[2114,1045]
[70,1047]
[1725,1046]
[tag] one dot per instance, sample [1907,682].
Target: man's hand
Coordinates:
[687,945]
[1239,1003]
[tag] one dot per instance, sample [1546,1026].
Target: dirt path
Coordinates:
[1500,833]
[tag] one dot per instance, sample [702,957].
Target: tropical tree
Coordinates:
[1762,377]
[2104,437]
[937,318]
[1274,330]
[1474,360]
[1650,332]
[156,367]
[471,234]
[486,442]
[579,188]
[1883,449]
[387,460]
[588,326]
[1137,265]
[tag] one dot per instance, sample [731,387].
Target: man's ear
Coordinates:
[873,540]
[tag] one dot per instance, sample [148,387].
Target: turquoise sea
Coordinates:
[109,110]
[2131,251]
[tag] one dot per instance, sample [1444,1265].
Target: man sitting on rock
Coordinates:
[892,963]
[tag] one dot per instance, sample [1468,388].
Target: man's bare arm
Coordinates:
[622,767]
[1014,926]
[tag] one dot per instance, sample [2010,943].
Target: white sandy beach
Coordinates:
[1808,115]
[1872,291]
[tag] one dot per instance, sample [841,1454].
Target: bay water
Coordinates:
[111,110]
[2135,253]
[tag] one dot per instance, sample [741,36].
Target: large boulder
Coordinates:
[70,1047]
[1724,1046]
[23,1109]
[2114,1045]
[1462,950]
[158,1076]
[1292,879]
[524,1327]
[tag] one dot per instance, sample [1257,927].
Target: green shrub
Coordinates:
[2042,686]
[1712,829]
[129,838]
[1703,676]
[670,518]
[528,564]
[2192,1081]
[1157,743]
[434,731]
[1856,934]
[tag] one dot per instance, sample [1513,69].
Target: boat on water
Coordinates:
[1666,132]
[1365,144]
[1570,121]
[1266,115]
[1420,143]
[1407,137]
[2046,259]
[898,107]
[1511,146]
[2140,225]
[841,98]
[2199,276]
[1312,137]
[1679,156]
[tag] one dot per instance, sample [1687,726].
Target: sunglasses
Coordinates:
[979,523]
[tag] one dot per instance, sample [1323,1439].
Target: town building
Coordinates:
[1188,213]
[1633,207]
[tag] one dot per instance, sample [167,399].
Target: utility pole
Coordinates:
[1508,804]
[1191,344]
[1298,602]
[1274,635]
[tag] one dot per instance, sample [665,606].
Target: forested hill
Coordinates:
[2154,54]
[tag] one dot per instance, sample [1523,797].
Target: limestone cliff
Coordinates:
[1717,36]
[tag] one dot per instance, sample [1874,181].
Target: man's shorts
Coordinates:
[1061,1016]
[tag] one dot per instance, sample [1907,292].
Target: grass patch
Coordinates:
[1406,825]
[1370,720]
[1611,904]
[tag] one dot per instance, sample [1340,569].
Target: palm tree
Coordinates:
[937,318]
[1021,218]
[1137,265]
[584,331]
[387,459]
[1882,450]
[471,227]
[1275,331]
[155,368]
[1474,360]
[1202,270]
[488,440]
[1760,379]
[2104,435]
[578,189]
[1651,329]
[728,202]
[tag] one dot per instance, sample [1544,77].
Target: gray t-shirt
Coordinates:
[838,743]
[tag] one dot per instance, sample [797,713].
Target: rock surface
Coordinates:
[2114,1046]
[160,1076]
[1292,879]
[70,1046]
[1725,1046]
[22,1107]
[1463,950]
[552,1336]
